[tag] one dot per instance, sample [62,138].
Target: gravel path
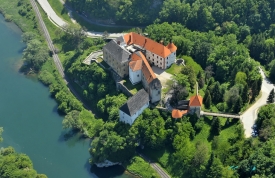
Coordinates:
[250,115]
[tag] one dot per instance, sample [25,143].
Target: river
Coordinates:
[31,122]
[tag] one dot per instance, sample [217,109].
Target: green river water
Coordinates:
[31,122]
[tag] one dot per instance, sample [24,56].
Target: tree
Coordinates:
[201,154]
[216,126]
[271,96]
[13,164]
[190,73]
[208,72]
[72,120]
[35,54]
[238,105]
[241,78]
[245,94]
[207,99]
[201,79]
[216,169]
[216,93]
[105,35]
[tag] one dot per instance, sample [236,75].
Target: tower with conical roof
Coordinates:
[195,103]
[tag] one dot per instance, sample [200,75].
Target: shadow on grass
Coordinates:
[229,123]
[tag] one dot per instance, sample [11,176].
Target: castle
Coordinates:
[132,55]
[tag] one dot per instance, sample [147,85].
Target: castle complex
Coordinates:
[133,55]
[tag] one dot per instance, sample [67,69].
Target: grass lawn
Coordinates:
[189,61]
[174,69]
[139,166]
[60,10]
[132,88]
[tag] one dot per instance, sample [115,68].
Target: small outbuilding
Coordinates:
[134,107]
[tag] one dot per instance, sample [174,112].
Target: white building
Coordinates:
[134,107]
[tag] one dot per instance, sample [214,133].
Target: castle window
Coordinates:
[153,54]
[138,75]
[157,57]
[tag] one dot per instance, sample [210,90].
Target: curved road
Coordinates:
[61,23]
[249,117]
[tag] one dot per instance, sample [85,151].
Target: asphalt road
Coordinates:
[250,115]
[155,166]
[60,22]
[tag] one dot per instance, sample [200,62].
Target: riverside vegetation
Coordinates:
[189,147]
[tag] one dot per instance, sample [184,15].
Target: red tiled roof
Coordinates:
[178,114]
[195,100]
[172,47]
[135,65]
[148,44]
[140,62]
[147,70]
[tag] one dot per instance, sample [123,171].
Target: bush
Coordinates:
[46,77]
[8,18]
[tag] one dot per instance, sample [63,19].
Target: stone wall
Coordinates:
[123,89]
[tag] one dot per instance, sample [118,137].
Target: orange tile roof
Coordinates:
[135,65]
[140,62]
[178,114]
[195,100]
[148,44]
[147,70]
[172,47]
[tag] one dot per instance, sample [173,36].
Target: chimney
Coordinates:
[118,42]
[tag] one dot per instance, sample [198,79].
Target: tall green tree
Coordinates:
[207,100]
[238,105]
[271,96]
[216,126]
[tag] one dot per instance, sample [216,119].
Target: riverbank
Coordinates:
[27,24]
